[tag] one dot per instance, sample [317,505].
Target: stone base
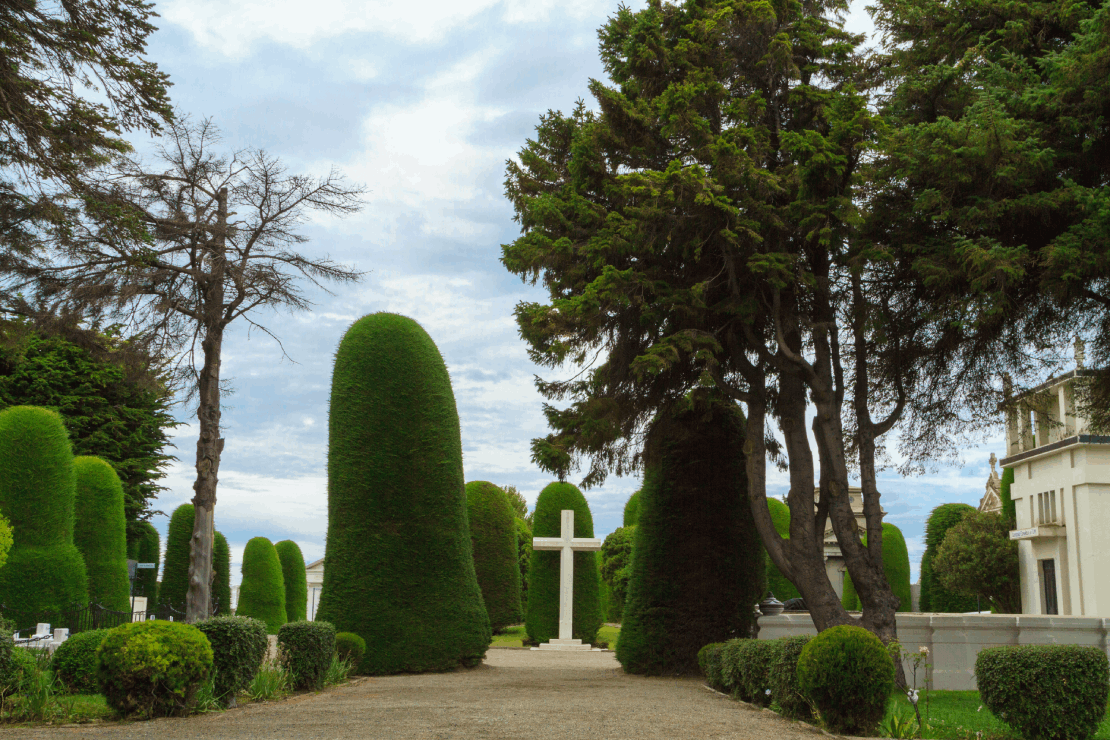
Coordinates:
[575,645]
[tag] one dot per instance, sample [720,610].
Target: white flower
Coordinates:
[924,650]
[912,696]
[767,692]
[980,708]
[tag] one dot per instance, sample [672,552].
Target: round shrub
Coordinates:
[75,661]
[934,597]
[542,622]
[306,650]
[698,564]
[221,581]
[239,645]
[153,669]
[397,505]
[100,532]
[777,583]
[1045,692]
[349,646]
[296,582]
[15,677]
[631,510]
[146,548]
[175,570]
[896,567]
[848,675]
[524,558]
[262,590]
[493,542]
[785,690]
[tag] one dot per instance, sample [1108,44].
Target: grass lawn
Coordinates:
[514,636]
[67,708]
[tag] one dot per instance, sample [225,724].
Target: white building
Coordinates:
[1061,491]
[314,573]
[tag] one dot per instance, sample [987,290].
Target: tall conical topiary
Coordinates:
[221,578]
[777,583]
[100,532]
[146,547]
[1009,510]
[698,563]
[262,591]
[175,569]
[44,570]
[295,579]
[631,510]
[896,567]
[934,597]
[542,622]
[493,540]
[399,571]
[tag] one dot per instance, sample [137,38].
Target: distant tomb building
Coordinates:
[835,565]
[314,574]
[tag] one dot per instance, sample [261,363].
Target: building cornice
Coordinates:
[1075,441]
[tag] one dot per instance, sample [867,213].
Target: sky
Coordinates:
[422,103]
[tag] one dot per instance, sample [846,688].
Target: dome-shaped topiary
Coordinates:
[777,583]
[896,567]
[296,582]
[74,661]
[493,540]
[396,505]
[349,646]
[175,569]
[632,510]
[146,548]
[44,571]
[100,532]
[848,675]
[934,597]
[262,590]
[698,565]
[221,580]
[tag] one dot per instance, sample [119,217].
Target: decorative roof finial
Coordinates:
[1080,353]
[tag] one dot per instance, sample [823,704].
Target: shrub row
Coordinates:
[763,672]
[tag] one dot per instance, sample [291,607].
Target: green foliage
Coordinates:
[100,532]
[516,500]
[1009,509]
[262,590]
[221,582]
[732,655]
[397,520]
[786,692]
[746,668]
[977,556]
[153,669]
[632,510]
[709,660]
[239,646]
[496,555]
[777,583]
[22,664]
[350,647]
[75,661]
[848,675]
[7,539]
[175,569]
[146,547]
[524,558]
[616,565]
[23,585]
[896,568]
[698,564]
[306,650]
[1045,692]
[296,582]
[934,596]
[542,622]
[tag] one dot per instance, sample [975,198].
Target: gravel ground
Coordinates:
[514,694]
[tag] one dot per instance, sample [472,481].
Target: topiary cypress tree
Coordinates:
[262,590]
[632,510]
[175,569]
[100,532]
[493,541]
[896,567]
[146,548]
[296,582]
[777,583]
[221,579]
[934,597]
[698,564]
[44,570]
[396,505]
[1009,510]
[524,558]
[542,621]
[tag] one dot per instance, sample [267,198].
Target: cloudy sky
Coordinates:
[422,103]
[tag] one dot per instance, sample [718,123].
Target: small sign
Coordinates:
[145,565]
[1017,534]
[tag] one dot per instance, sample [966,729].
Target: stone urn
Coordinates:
[771,606]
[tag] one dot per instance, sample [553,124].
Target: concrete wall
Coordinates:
[954,640]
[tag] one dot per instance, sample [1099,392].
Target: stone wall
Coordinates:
[954,640]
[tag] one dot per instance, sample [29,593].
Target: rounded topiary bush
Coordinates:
[100,532]
[785,689]
[146,548]
[542,622]
[777,583]
[349,646]
[296,582]
[75,661]
[934,597]
[397,505]
[848,675]
[306,650]
[239,646]
[221,580]
[631,510]
[262,590]
[174,588]
[698,564]
[896,567]
[153,669]
[493,540]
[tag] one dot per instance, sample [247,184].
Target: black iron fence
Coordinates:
[90,617]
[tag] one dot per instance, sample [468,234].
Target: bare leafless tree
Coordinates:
[219,239]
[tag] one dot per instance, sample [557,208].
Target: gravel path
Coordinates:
[514,694]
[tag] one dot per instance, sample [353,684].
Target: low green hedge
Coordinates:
[709,658]
[350,647]
[848,674]
[1045,692]
[746,669]
[153,668]
[15,677]
[306,650]
[75,662]
[238,648]
[732,656]
[785,689]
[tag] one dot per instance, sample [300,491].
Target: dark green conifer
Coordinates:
[175,570]
[542,622]
[262,590]
[296,582]
[399,571]
[221,581]
[698,563]
[631,510]
[934,597]
[100,532]
[146,548]
[493,541]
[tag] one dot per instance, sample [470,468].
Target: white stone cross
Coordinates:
[567,544]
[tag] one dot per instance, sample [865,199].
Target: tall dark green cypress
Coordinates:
[698,563]
[146,548]
[296,582]
[542,622]
[221,581]
[934,597]
[398,567]
[100,532]
[496,558]
[175,569]
[262,590]
[631,510]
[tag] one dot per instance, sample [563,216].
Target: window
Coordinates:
[1048,587]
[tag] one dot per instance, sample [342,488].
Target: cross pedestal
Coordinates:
[567,544]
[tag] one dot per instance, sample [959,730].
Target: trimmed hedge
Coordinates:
[785,689]
[755,671]
[616,565]
[496,556]
[1045,692]
[397,506]
[262,590]
[524,558]
[698,563]
[296,582]
[934,597]
[848,674]
[777,583]
[709,660]
[349,646]
[221,581]
[147,549]
[75,661]
[632,510]
[731,656]
[100,532]
[174,587]
[154,668]
[542,622]
[306,650]
[1009,509]
[239,646]
[896,568]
